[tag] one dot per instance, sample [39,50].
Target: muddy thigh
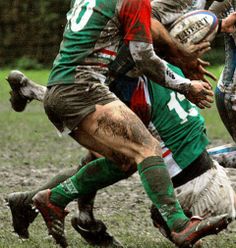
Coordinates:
[114,131]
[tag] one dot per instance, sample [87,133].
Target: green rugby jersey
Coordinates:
[92,36]
[178,123]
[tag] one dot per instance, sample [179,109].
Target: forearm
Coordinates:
[155,68]
[163,42]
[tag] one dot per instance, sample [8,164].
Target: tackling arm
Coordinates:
[187,58]
[135,19]
[163,42]
[158,70]
[155,68]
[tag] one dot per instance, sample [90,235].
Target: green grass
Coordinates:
[31,126]
[31,152]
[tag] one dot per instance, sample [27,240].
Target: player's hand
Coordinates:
[188,59]
[196,71]
[200,93]
[229,23]
[197,50]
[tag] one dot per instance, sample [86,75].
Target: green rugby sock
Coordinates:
[158,186]
[90,178]
[53,182]
[59,178]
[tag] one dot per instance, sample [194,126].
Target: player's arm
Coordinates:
[158,70]
[185,58]
[137,36]
[162,41]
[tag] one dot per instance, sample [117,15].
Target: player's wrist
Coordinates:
[175,81]
[180,84]
[186,87]
[228,23]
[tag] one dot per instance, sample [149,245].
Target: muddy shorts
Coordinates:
[67,105]
[209,194]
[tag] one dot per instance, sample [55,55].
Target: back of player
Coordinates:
[179,124]
[84,39]
[168,115]
[92,37]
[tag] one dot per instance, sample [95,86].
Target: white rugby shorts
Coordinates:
[209,194]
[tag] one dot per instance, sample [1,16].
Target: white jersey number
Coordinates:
[82,10]
[174,104]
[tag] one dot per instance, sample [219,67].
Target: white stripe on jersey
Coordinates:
[146,91]
[172,166]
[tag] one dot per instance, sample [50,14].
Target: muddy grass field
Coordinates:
[31,152]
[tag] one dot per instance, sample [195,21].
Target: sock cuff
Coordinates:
[149,162]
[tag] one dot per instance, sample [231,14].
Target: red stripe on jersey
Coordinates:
[101,65]
[166,153]
[108,52]
[135,16]
[138,103]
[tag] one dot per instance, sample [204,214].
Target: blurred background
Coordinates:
[30,33]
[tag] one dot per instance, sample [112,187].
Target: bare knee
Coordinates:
[139,147]
[152,148]
[122,132]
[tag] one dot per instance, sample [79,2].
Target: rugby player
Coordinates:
[167,11]
[79,103]
[182,130]
[225,91]
[78,76]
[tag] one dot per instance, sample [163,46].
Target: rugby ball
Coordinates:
[194,27]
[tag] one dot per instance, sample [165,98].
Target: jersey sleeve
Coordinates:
[135,17]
